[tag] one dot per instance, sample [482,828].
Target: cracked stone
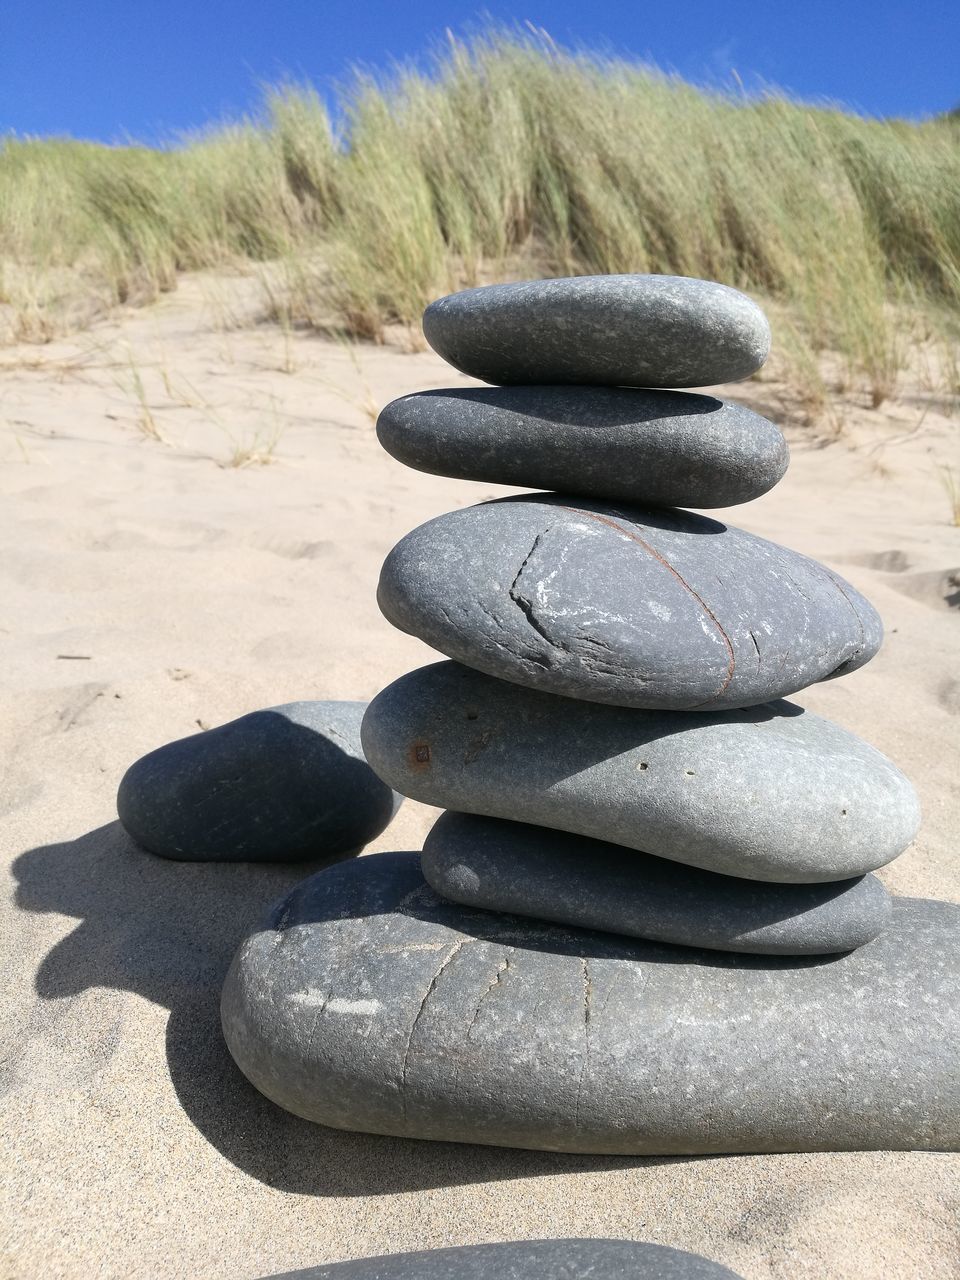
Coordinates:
[574,880]
[662,448]
[285,784]
[768,793]
[615,330]
[625,605]
[684,1052]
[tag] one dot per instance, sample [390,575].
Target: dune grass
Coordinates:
[509,158]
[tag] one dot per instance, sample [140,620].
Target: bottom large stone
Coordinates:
[366,1002]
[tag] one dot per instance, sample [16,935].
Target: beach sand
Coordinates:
[148,591]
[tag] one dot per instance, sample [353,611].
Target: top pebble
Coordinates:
[627,331]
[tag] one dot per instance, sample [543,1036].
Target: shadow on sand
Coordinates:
[167,931]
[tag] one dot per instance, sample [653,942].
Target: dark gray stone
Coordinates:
[624,605]
[365,1002]
[627,330]
[528,1260]
[573,880]
[666,448]
[770,793]
[279,785]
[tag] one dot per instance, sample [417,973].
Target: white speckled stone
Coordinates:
[569,879]
[365,1002]
[770,793]
[618,330]
[624,605]
[665,448]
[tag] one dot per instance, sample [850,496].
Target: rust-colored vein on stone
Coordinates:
[732,658]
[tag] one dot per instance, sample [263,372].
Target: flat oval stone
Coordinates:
[573,880]
[365,1002]
[770,793]
[624,605]
[666,448]
[279,785]
[617,330]
[528,1260]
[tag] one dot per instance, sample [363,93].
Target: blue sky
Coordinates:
[108,69]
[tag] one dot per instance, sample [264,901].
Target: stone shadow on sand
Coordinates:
[167,931]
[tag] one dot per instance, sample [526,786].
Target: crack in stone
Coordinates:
[635,537]
[280,928]
[797,587]
[449,618]
[581,648]
[491,615]
[598,643]
[321,1007]
[451,955]
[526,606]
[494,982]
[856,614]
[613,669]
[759,654]
[587,1014]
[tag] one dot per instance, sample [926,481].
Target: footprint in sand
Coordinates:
[940,589]
[893,561]
[948,695]
[121,540]
[72,705]
[184,535]
[294,548]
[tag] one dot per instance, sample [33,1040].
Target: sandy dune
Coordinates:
[149,591]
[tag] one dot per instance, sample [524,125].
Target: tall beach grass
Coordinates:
[506,158]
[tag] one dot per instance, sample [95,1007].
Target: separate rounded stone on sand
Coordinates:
[630,606]
[366,1002]
[615,330]
[574,1259]
[770,793]
[666,448]
[574,880]
[283,784]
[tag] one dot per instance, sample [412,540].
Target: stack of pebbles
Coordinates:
[717,970]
